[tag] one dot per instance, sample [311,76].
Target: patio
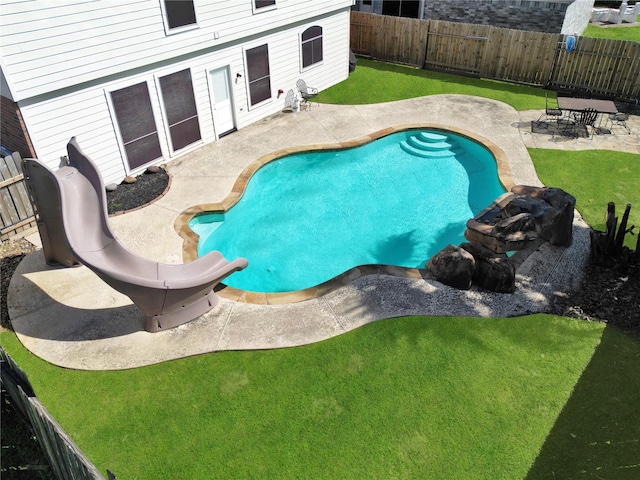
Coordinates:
[97,328]
[619,139]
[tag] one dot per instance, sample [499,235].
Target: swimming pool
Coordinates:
[308,217]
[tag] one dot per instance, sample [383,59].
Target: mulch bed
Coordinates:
[128,196]
[605,295]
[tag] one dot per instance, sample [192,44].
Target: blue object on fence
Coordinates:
[4,151]
[570,43]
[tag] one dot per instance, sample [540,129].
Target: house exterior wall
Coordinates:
[552,16]
[538,15]
[49,45]
[62,70]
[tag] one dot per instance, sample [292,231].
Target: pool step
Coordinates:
[415,141]
[427,145]
[418,152]
[431,137]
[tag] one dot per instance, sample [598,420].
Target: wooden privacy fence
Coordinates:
[16,212]
[602,66]
[499,53]
[596,66]
[66,459]
[395,39]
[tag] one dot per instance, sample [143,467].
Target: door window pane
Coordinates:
[180,108]
[221,86]
[258,72]
[134,116]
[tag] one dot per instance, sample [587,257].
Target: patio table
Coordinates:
[581,104]
[571,104]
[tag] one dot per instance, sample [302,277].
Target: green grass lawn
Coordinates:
[614,33]
[595,178]
[377,82]
[419,397]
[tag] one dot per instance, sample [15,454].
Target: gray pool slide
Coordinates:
[71,211]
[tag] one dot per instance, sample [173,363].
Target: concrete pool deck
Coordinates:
[70,318]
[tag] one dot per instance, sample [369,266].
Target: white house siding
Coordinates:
[84,111]
[49,45]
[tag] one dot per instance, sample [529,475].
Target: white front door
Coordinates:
[221,101]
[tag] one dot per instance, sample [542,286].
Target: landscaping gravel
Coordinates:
[146,188]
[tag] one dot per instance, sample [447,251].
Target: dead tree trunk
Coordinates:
[607,248]
[622,230]
[610,233]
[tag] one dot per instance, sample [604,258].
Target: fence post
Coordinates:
[426,45]
[554,65]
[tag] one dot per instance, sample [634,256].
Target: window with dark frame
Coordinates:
[264,3]
[402,8]
[137,126]
[311,46]
[258,74]
[180,13]
[179,103]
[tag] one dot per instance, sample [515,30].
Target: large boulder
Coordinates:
[561,231]
[556,226]
[494,272]
[517,220]
[452,266]
[521,222]
[541,212]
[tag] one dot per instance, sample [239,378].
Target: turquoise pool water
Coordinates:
[306,218]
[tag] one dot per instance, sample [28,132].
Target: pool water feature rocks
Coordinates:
[309,217]
[519,220]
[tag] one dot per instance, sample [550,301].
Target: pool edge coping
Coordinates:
[190,238]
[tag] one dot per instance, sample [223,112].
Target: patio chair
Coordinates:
[587,118]
[306,92]
[72,201]
[550,114]
[620,119]
[288,100]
